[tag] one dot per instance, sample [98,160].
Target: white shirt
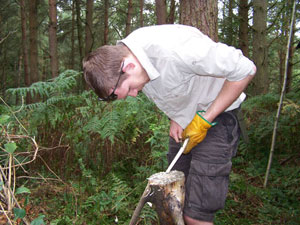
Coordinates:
[186,68]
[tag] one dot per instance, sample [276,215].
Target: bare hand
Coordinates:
[176,131]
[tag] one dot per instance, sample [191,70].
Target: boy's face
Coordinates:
[136,79]
[129,87]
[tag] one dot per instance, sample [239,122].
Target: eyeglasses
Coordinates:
[113,96]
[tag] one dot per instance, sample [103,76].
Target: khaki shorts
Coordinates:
[207,168]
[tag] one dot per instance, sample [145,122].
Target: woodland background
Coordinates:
[67,158]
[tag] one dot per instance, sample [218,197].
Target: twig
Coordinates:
[132,191]
[59,179]
[33,158]
[38,178]
[51,170]
[8,173]
[22,105]
[3,210]
[12,112]
[281,97]
[138,209]
[289,158]
[9,199]
[9,33]
[12,194]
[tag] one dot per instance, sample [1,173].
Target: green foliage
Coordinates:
[110,201]
[104,152]
[128,138]
[65,82]
[260,113]
[248,202]
[22,190]
[11,160]
[39,220]
[10,147]
[19,213]
[113,148]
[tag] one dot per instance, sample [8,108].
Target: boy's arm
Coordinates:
[230,91]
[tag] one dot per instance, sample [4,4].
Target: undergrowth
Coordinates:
[94,158]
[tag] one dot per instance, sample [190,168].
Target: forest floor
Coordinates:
[248,202]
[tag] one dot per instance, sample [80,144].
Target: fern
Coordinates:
[108,126]
[136,129]
[149,215]
[63,83]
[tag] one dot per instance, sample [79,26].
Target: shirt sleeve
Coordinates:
[202,56]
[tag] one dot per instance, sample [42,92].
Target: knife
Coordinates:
[179,153]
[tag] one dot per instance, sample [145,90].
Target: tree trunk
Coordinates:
[202,14]
[291,51]
[129,16]
[53,38]
[72,56]
[229,23]
[243,29]
[290,67]
[79,30]
[161,11]
[281,57]
[89,26]
[44,65]
[171,16]
[166,191]
[141,13]
[106,29]
[19,72]
[33,36]
[284,20]
[24,47]
[3,72]
[260,51]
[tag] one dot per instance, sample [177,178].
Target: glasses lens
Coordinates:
[109,98]
[112,97]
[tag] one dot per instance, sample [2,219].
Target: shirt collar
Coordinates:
[142,57]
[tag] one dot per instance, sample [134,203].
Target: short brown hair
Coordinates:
[101,68]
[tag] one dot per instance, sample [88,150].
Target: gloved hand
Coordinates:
[196,131]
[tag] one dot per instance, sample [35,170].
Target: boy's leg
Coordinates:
[208,176]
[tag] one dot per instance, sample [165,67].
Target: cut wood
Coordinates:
[166,191]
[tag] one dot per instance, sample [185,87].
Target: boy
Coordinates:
[199,84]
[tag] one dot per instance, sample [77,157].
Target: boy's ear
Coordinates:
[128,65]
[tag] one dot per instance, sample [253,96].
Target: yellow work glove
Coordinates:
[196,131]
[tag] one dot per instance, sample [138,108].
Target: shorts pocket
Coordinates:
[208,186]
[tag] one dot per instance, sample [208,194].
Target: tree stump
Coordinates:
[166,191]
